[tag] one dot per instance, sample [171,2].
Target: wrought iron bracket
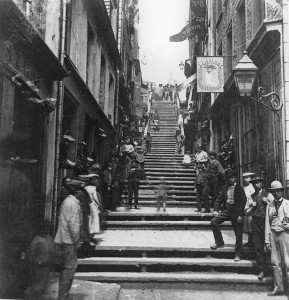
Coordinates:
[275,103]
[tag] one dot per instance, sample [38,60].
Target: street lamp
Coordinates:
[181,65]
[245,74]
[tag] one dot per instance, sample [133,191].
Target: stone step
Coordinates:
[198,277]
[164,158]
[163,225]
[143,191]
[171,173]
[172,155]
[162,149]
[152,197]
[170,187]
[170,203]
[147,261]
[169,179]
[149,212]
[165,164]
[170,168]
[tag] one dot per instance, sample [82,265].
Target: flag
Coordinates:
[186,32]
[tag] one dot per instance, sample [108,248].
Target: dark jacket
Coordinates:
[240,200]
[259,211]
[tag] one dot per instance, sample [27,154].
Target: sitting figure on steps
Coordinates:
[187,161]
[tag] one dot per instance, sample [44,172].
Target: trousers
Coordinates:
[68,268]
[211,187]
[258,231]
[200,197]
[39,281]
[133,191]
[226,215]
[279,256]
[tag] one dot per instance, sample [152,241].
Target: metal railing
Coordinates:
[180,117]
[147,127]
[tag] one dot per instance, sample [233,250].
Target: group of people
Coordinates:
[81,207]
[264,215]
[168,91]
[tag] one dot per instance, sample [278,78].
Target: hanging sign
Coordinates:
[210,74]
[198,16]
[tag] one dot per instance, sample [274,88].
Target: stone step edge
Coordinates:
[206,277]
[220,262]
[173,250]
[165,223]
[155,214]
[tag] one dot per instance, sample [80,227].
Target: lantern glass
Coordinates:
[245,81]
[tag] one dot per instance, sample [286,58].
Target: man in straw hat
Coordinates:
[233,199]
[277,236]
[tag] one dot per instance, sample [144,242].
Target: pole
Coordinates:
[59,111]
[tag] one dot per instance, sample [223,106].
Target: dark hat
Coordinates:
[212,153]
[44,223]
[231,173]
[257,178]
[200,166]
[76,184]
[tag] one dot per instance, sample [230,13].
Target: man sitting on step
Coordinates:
[233,200]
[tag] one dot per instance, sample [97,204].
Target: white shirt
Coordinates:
[91,190]
[187,159]
[70,220]
[201,156]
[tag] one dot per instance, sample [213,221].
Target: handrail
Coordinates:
[146,129]
[180,117]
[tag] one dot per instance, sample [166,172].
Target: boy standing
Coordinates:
[133,185]
[161,194]
[200,183]
[41,251]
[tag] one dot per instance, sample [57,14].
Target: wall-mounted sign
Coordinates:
[210,74]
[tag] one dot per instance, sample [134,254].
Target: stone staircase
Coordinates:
[141,246]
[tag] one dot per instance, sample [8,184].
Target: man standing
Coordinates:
[133,185]
[214,173]
[233,199]
[277,236]
[258,212]
[67,239]
[180,139]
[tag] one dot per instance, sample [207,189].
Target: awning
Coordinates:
[191,80]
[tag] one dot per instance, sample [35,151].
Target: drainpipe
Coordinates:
[285,96]
[59,111]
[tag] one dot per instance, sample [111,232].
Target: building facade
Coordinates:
[69,76]
[258,135]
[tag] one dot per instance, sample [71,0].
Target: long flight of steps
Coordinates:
[172,246]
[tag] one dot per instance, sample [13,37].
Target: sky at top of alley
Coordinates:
[159,19]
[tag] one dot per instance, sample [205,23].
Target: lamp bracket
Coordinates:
[275,103]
